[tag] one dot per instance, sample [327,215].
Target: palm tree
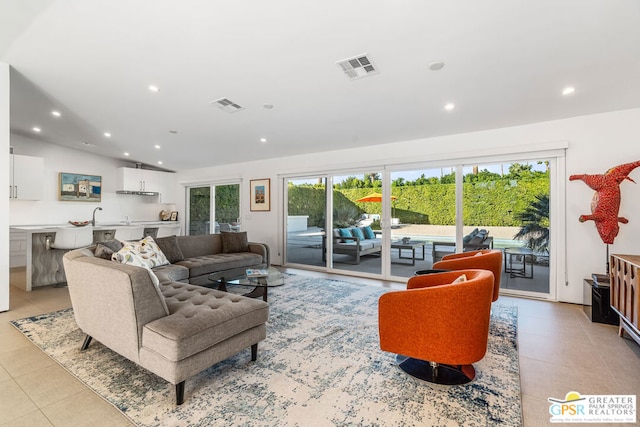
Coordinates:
[535,228]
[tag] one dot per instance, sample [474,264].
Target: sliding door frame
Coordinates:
[554,152]
[212,205]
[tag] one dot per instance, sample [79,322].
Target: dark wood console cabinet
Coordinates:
[625,299]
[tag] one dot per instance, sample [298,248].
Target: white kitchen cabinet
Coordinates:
[166,185]
[143,180]
[26,177]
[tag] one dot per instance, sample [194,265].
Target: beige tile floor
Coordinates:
[560,351]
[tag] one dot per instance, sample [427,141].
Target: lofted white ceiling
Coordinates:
[506,63]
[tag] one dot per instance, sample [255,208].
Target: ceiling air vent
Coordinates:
[226,105]
[358,66]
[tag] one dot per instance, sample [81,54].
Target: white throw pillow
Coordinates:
[461,278]
[144,253]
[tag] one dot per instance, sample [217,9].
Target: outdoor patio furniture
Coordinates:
[476,240]
[354,245]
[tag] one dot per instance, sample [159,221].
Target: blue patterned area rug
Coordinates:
[320,365]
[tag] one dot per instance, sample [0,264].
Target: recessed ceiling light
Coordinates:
[157,147]
[449,106]
[435,66]
[154,88]
[126,154]
[85,143]
[56,113]
[107,134]
[159,162]
[568,90]
[263,139]
[36,129]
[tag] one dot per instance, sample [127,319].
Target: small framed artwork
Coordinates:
[174,216]
[260,195]
[73,187]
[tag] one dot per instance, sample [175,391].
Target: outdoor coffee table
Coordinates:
[411,245]
[518,268]
[260,284]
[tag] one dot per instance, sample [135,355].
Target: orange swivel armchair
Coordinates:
[485,259]
[436,327]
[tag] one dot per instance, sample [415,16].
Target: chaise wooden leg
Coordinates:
[180,393]
[254,352]
[85,344]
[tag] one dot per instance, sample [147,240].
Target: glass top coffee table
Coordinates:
[260,284]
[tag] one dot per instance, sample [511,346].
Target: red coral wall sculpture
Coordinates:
[606,200]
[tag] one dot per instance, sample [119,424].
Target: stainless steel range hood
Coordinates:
[138,193]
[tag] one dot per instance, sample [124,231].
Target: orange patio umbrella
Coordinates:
[373,197]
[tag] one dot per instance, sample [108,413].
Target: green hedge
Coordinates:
[493,203]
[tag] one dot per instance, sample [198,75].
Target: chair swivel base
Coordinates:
[437,373]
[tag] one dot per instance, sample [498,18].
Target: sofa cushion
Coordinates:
[170,248]
[143,253]
[106,248]
[357,233]
[478,238]
[345,232]
[203,244]
[368,232]
[233,242]
[468,237]
[200,318]
[208,264]
[172,273]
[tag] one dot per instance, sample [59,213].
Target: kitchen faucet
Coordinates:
[93,218]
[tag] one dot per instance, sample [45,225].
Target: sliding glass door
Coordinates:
[392,222]
[357,222]
[336,243]
[506,206]
[199,207]
[306,221]
[213,208]
[423,225]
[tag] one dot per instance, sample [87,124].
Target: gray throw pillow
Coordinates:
[170,248]
[106,248]
[233,242]
[102,251]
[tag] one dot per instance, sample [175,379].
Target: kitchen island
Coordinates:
[28,247]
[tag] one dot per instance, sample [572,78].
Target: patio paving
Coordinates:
[305,249]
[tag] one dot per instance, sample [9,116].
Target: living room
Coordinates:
[600,137]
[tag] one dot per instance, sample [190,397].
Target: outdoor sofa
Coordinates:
[354,241]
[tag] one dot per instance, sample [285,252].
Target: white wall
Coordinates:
[596,143]
[50,210]
[4,186]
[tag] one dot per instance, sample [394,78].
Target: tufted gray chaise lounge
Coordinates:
[174,330]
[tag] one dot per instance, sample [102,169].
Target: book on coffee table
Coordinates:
[257,273]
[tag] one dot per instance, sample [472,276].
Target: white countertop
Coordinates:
[99,226]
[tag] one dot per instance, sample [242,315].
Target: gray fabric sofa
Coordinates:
[198,259]
[173,329]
